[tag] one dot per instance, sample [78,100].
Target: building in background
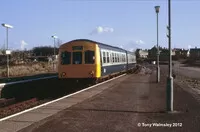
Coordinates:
[143,53]
[164,54]
[181,53]
[195,53]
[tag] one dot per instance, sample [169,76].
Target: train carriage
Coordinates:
[86,59]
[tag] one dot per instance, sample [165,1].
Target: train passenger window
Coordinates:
[77,57]
[89,57]
[113,57]
[108,57]
[104,57]
[117,57]
[65,58]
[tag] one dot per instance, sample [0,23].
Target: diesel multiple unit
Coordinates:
[87,59]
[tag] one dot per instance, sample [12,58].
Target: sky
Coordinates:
[128,24]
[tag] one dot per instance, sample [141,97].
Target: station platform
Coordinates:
[131,103]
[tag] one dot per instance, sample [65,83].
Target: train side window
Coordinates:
[108,57]
[65,58]
[124,58]
[89,57]
[117,57]
[113,57]
[77,57]
[104,57]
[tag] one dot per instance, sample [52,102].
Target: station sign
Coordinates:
[8,52]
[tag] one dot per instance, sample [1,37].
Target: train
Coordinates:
[84,59]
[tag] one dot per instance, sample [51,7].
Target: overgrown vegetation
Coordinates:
[28,62]
[27,69]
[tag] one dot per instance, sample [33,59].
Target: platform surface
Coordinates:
[128,104]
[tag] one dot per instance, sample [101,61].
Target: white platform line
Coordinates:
[22,112]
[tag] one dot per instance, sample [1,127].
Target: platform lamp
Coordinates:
[7,26]
[170,94]
[158,53]
[54,52]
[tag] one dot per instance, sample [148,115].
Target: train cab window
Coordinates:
[108,60]
[104,57]
[89,57]
[77,57]
[65,58]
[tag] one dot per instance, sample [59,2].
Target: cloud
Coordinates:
[132,49]
[189,46]
[23,43]
[100,30]
[139,42]
[132,45]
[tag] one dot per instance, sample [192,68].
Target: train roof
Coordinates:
[101,44]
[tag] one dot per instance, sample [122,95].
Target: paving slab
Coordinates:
[44,110]
[29,117]
[13,126]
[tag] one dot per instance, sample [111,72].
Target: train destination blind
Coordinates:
[77,47]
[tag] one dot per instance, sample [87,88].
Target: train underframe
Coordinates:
[93,80]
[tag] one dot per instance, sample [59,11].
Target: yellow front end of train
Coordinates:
[79,60]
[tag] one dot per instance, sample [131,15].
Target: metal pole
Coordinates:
[158,67]
[7,54]
[170,78]
[54,54]
[54,47]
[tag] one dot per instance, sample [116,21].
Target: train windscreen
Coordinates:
[89,57]
[77,57]
[65,58]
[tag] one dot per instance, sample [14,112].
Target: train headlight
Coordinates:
[63,74]
[91,73]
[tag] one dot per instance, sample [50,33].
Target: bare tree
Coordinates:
[59,43]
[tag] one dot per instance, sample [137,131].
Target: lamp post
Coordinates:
[158,53]
[7,26]
[54,52]
[170,78]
